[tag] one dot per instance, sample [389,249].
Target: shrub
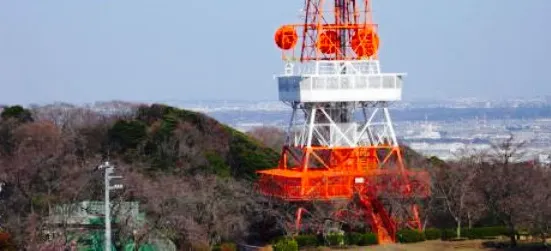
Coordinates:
[369,239]
[307,240]
[17,112]
[336,239]
[475,233]
[484,232]
[127,134]
[410,236]
[360,239]
[353,238]
[433,234]
[448,234]
[286,245]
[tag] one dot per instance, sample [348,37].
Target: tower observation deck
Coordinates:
[340,142]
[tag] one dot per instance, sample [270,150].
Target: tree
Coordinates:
[67,116]
[11,118]
[539,215]
[454,185]
[42,172]
[16,112]
[198,192]
[125,135]
[505,185]
[7,128]
[190,210]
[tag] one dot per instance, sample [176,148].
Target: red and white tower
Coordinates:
[340,142]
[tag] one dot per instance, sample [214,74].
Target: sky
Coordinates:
[137,50]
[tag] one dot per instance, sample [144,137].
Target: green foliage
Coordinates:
[96,221]
[484,232]
[448,234]
[126,135]
[217,165]
[433,234]
[356,239]
[17,112]
[472,233]
[153,113]
[335,239]
[168,138]
[410,236]
[246,156]
[353,238]
[286,245]
[307,240]
[167,126]
[362,239]
[435,161]
[193,118]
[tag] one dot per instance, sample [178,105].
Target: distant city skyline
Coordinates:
[138,50]
[541,99]
[274,99]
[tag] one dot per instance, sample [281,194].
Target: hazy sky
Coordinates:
[87,50]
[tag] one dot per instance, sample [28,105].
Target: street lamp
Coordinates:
[109,170]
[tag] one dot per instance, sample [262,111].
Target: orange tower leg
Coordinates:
[340,142]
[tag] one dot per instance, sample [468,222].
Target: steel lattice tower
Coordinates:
[340,142]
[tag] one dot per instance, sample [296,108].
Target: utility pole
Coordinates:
[109,169]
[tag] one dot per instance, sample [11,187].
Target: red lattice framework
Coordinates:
[368,175]
[339,30]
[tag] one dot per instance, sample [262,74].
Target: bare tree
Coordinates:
[42,172]
[219,206]
[539,215]
[198,209]
[505,185]
[454,185]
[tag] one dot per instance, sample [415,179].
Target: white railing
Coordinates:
[333,67]
[340,82]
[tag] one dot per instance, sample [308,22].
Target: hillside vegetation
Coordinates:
[180,141]
[191,174]
[193,178]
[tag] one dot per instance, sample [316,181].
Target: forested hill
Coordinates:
[191,175]
[158,137]
[177,140]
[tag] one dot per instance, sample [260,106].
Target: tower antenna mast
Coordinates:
[344,145]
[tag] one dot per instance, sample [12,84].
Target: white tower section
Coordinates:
[345,103]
